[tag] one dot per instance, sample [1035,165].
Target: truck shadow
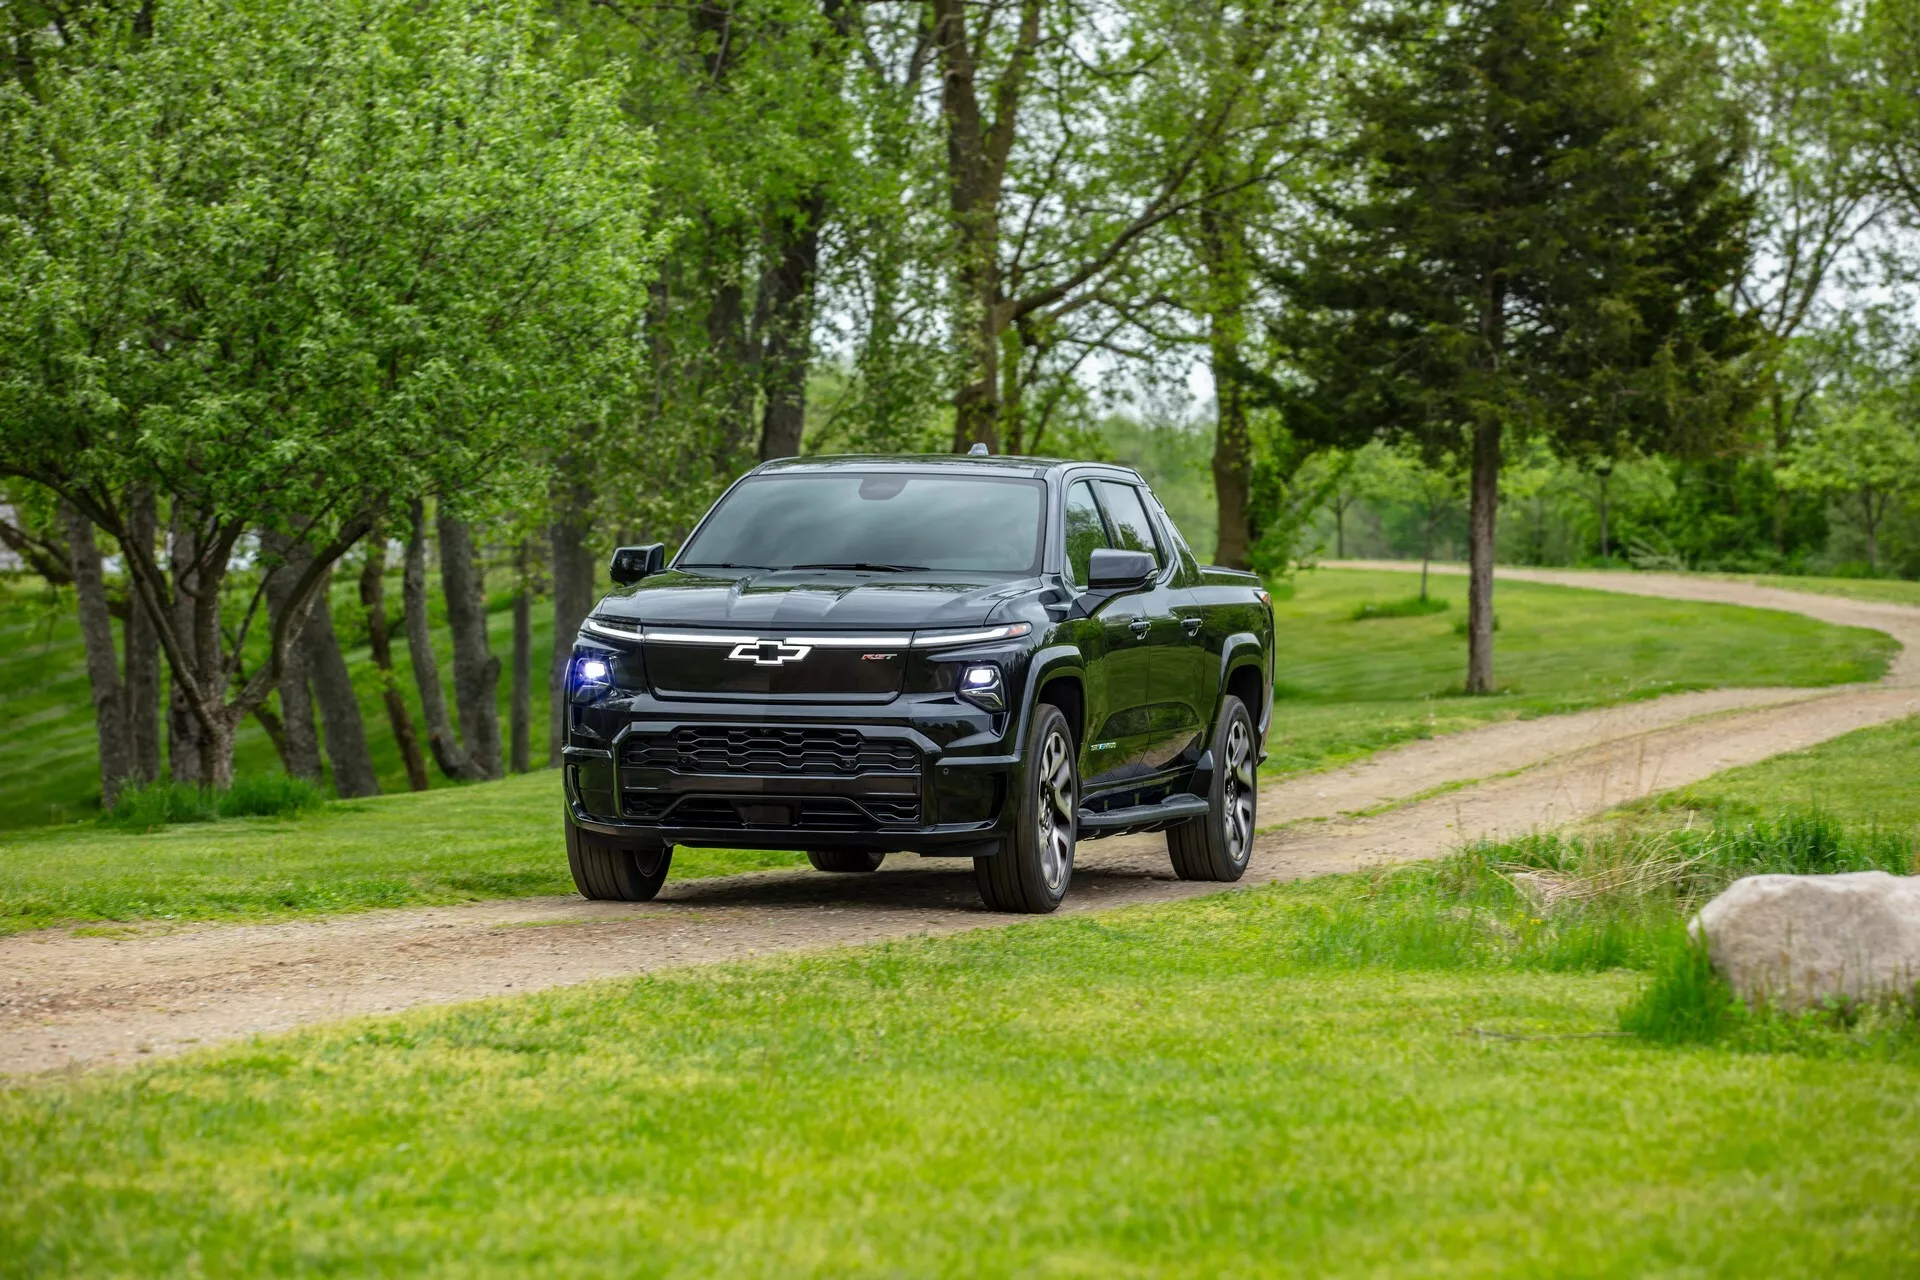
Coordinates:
[909,883]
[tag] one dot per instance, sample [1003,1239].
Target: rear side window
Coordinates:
[1086,531]
[1132,531]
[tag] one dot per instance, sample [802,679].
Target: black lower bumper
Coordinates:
[892,795]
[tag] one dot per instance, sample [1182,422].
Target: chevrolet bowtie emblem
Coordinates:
[769,653]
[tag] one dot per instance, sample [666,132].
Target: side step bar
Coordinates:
[1172,809]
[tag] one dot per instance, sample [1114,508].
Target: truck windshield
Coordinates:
[876,521]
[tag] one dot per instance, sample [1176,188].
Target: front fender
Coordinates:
[1046,664]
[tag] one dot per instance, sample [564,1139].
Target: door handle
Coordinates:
[1139,626]
[1192,625]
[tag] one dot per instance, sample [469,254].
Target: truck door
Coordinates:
[1160,621]
[1118,729]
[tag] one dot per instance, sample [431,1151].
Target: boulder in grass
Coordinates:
[1796,942]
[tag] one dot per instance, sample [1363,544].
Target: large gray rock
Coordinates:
[1796,941]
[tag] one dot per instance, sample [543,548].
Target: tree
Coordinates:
[1055,178]
[1533,238]
[291,265]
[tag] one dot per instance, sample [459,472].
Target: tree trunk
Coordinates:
[1481,526]
[143,654]
[216,744]
[1339,530]
[976,169]
[299,739]
[476,672]
[1872,521]
[573,590]
[373,599]
[183,729]
[520,694]
[1606,546]
[441,739]
[786,292]
[346,731]
[103,662]
[1426,554]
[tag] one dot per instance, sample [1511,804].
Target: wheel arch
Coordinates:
[1243,673]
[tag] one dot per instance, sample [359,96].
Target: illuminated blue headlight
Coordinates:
[592,678]
[980,684]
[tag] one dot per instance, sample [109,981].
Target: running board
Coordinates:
[1172,809]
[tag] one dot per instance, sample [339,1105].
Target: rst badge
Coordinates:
[769,653]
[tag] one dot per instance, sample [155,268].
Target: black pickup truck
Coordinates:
[980,657]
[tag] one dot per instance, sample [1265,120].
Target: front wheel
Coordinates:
[610,872]
[1219,845]
[1030,875]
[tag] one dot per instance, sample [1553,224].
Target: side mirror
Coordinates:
[630,564]
[1112,570]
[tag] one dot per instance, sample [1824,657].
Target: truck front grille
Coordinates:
[768,750]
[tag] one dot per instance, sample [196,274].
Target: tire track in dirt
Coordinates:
[67,1001]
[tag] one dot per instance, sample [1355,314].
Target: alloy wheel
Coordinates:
[1239,791]
[1057,812]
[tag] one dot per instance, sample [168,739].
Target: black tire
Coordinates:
[1031,874]
[610,872]
[845,860]
[1219,845]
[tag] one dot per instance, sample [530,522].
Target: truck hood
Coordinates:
[811,600]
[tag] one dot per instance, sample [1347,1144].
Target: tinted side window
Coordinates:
[1086,532]
[1132,531]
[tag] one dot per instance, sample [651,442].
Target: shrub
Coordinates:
[1411,607]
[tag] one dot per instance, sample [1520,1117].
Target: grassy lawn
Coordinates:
[1219,1087]
[490,840]
[1352,687]
[1870,777]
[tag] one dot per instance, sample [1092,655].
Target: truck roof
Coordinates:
[990,464]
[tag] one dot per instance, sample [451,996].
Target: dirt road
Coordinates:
[68,1001]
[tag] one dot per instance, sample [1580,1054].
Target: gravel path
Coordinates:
[68,1001]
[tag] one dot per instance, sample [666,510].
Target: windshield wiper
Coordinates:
[867,565]
[720,564]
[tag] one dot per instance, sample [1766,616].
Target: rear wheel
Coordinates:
[1030,875]
[851,860]
[1218,846]
[609,871]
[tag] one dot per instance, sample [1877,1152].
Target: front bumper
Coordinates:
[928,775]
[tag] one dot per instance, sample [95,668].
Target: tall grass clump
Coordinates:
[160,804]
[1409,607]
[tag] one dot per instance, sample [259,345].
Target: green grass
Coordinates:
[1226,1086]
[1867,777]
[489,840]
[1349,688]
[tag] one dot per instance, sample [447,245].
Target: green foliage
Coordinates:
[1535,241]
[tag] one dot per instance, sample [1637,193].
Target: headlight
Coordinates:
[596,673]
[981,685]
